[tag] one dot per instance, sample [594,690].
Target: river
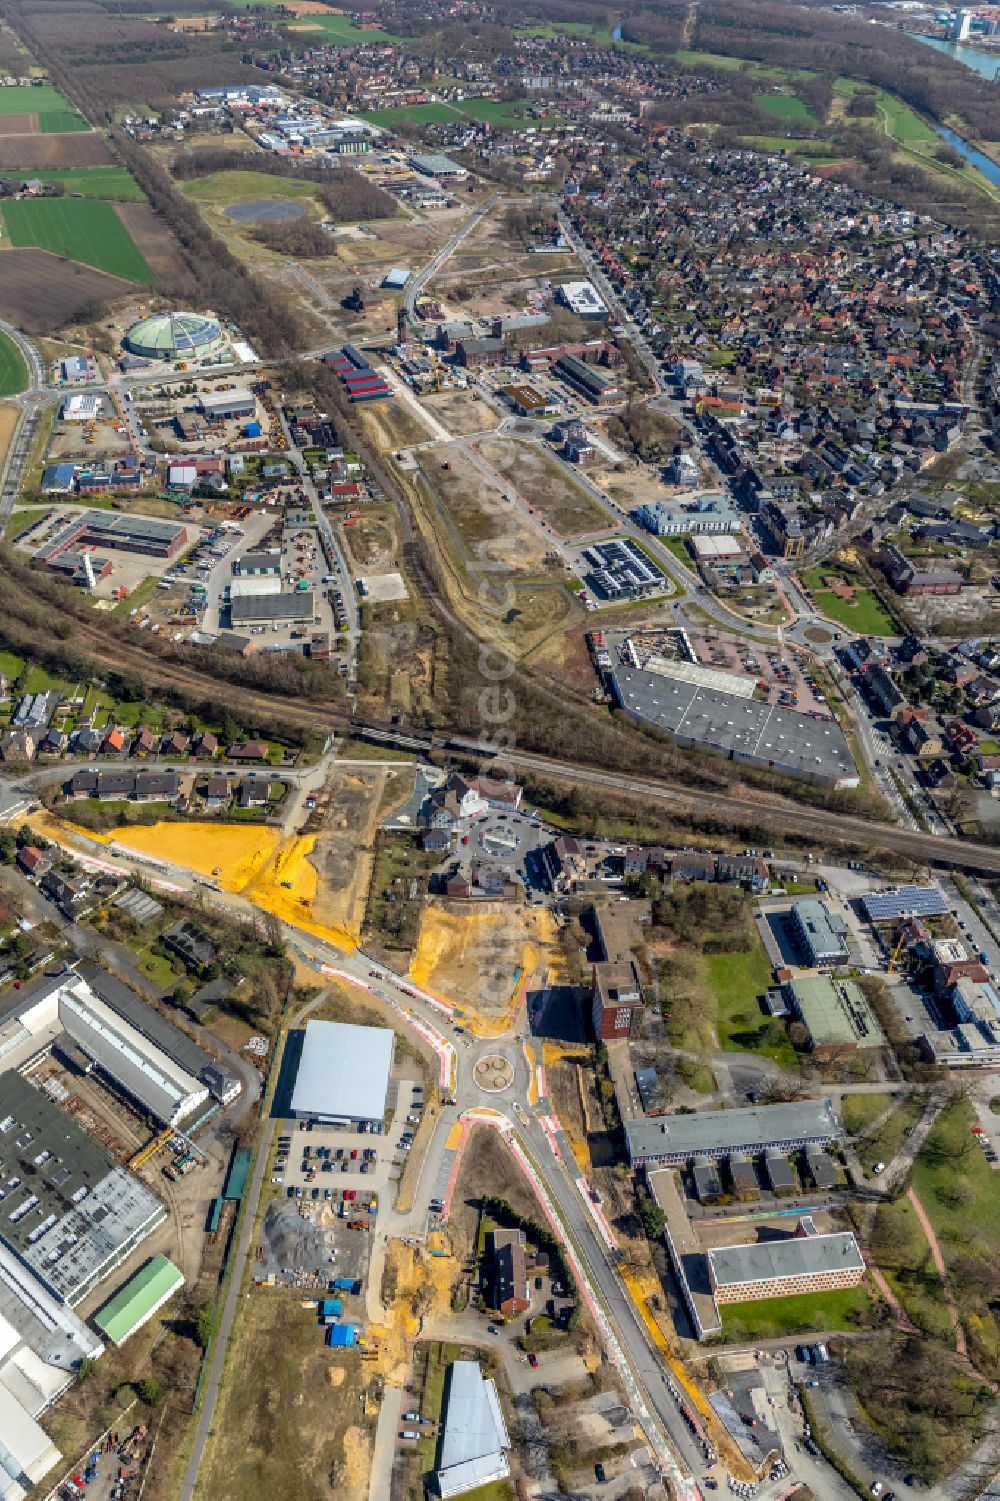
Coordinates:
[982,163]
[980,61]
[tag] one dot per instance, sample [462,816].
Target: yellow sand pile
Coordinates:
[457,951]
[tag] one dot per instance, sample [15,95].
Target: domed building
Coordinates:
[174,336]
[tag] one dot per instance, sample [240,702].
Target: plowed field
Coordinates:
[39,292]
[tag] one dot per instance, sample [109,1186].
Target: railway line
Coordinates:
[780,815]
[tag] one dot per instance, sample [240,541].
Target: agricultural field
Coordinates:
[113,183]
[55,114]
[40,293]
[13,374]
[77,229]
[30,154]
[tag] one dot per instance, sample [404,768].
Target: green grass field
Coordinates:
[13,372]
[11,666]
[864,613]
[599,35]
[115,183]
[223,189]
[733,64]
[798,145]
[437,113]
[785,107]
[736,981]
[506,114]
[79,229]
[339,29]
[859,1110]
[807,1313]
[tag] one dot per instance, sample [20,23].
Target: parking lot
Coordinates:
[330,1185]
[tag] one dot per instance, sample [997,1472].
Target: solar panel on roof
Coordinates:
[904,901]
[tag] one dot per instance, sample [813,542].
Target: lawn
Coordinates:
[13,372]
[806,1313]
[678,546]
[859,1110]
[785,107]
[11,666]
[737,980]
[731,64]
[77,229]
[599,35]
[507,114]
[888,1141]
[115,183]
[21,520]
[955,1183]
[55,114]
[141,595]
[864,614]
[223,189]
[791,143]
[40,680]
[158,968]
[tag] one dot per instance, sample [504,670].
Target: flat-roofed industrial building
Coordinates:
[715,1134]
[290,607]
[119,532]
[70,1213]
[343,1074]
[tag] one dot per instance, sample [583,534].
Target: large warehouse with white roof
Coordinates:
[343,1074]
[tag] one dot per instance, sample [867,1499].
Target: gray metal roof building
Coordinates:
[474,1435]
[797,1257]
[343,1072]
[718,1133]
[68,1211]
[269,609]
[744,730]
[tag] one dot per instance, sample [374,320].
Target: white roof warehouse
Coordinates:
[343,1073]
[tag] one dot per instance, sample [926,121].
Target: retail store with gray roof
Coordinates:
[742,729]
[715,1134]
[291,607]
[343,1074]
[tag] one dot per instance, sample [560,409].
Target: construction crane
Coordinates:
[145,1153]
[895,954]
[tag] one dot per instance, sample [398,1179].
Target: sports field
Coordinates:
[79,229]
[507,114]
[54,113]
[13,374]
[115,183]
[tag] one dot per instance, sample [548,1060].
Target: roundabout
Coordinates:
[493,1072]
